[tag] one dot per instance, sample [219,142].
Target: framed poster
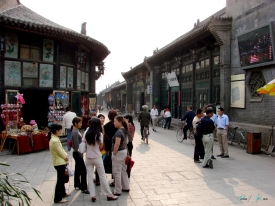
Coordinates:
[87,82]
[12,73]
[238,94]
[46,75]
[30,69]
[70,77]
[11,45]
[63,77]
[48,50]
[78,79]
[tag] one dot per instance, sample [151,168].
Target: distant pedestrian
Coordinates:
[154,116]
[199,148]
[168,118]
[205,130]
[189,116]
[144,120]
[222,130]
[67,123]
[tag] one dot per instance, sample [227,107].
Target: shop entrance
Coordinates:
[36,106]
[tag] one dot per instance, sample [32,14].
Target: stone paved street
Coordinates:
[165,174]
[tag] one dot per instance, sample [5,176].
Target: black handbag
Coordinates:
[107,162]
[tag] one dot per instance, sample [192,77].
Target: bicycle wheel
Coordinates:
[179,135]
[240,140]
[191,136]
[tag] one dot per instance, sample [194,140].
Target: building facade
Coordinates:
[42,60]
[223,60]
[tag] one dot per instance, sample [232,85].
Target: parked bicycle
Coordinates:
[236,137]
[146,134]
[190,133]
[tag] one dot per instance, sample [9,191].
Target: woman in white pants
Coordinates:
[119,149]
[94,140]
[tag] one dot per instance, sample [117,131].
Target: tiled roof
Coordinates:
[133,70]
[25,17]
[200,28]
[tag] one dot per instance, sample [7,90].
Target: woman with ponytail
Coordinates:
[119,153]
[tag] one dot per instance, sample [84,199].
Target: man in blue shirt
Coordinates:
[222,130]
[189,116]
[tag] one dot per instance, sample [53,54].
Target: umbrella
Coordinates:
[269,88]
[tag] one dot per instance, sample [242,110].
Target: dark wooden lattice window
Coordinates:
[256,81]
[216,94]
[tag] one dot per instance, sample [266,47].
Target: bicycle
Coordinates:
[236,137]
[146,134]
[190,134]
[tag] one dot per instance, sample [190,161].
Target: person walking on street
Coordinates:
[94,142]
[205,130]
[144,120]
[154,115]
[168,118]
[199,148]
[189,116]
[222,130]
[80,174]
[59,160]
[67,123]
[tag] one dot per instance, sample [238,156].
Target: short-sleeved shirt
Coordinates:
[119,134]
[222,121]
[93,150]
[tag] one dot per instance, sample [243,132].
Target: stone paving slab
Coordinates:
[164,174]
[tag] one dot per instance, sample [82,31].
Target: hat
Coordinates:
[32,122]
[144,107]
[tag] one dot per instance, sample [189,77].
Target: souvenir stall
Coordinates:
[25,138]
[58,101]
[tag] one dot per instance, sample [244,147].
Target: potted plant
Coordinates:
[13,187]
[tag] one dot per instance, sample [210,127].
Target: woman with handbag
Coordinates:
[80,175]
[131,132]
[119,153]
[59,160]
[94,142]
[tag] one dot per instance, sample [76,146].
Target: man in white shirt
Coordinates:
[67,123]
[154,115]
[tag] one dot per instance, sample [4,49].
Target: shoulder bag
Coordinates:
[82,146]
[127,158]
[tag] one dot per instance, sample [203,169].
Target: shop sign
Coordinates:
[149,89]
[172,79]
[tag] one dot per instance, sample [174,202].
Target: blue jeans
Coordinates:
[68,137]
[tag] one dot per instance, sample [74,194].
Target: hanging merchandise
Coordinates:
[51,99]
[65,100]
[57,100]
[20,98]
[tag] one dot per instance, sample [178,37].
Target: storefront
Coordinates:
[51,66]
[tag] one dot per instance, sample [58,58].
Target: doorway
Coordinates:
[174,104]
[36,106]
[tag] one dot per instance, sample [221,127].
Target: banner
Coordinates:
[172,79]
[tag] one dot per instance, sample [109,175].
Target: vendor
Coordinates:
[20,123]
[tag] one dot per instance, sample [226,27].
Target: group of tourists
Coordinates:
[207,125]
[113,139]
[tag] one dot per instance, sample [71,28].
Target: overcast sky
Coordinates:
[130,29]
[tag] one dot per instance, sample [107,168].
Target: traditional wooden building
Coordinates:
[40,58]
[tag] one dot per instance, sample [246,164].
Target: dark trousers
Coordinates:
[186,127]
[168,122]
[199,148]
[80,172]
[130,148]
[60,183]
[141,130]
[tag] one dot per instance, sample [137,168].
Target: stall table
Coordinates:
[24,145]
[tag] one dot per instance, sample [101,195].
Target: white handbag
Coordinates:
[82,147]
[70,171]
